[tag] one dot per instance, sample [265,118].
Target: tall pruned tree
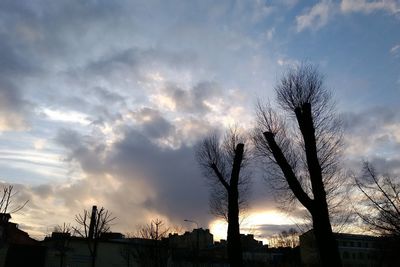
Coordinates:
[91,225]
[224,164]
[301,144]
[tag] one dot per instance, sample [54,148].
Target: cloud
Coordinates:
[121,98]
[315,17]
[14,110]
[153,180]
[153,124]
[320,14]
[395,50]
[372,134]
[367,7]
[193,100]
[287,62]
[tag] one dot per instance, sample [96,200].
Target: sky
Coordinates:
[103,102]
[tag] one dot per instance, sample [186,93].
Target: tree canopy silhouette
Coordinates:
[223,163]
[7,200]
[301,145]
[91,226]
[382,198]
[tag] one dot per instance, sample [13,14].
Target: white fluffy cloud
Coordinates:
[320,14]
[395,50]
[315,17]
[364,6]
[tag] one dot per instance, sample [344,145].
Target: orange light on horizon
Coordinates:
[250,224]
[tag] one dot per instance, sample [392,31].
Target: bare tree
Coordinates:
[301,146]
[155,230]
[223,163]
[7,197]
[92,226]
[382,198]
[289,238]
[151,252]
[62,235]
[381,212]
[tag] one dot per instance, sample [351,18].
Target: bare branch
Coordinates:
[305,146]
[7,198]
[382,197]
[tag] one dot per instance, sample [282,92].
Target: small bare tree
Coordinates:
[289,238]
[223,163]
[382,198]
[7,197]
[62,238]
[381,212]
[151,252]
[155,230]
[91,226]
[303,152]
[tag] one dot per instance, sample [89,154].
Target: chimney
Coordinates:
[5,217]
[92,222]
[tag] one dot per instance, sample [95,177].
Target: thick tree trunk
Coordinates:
[326,241]
[94,254]
[234,243]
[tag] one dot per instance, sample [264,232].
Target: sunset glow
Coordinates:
[251,224]
[106,102]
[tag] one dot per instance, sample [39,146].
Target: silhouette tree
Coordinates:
[223,163]
[62,237]
[382,197]
[92,226]
[381,213]
[151,252]
[7,197]
[155,230]
[289,238]
[303,152]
